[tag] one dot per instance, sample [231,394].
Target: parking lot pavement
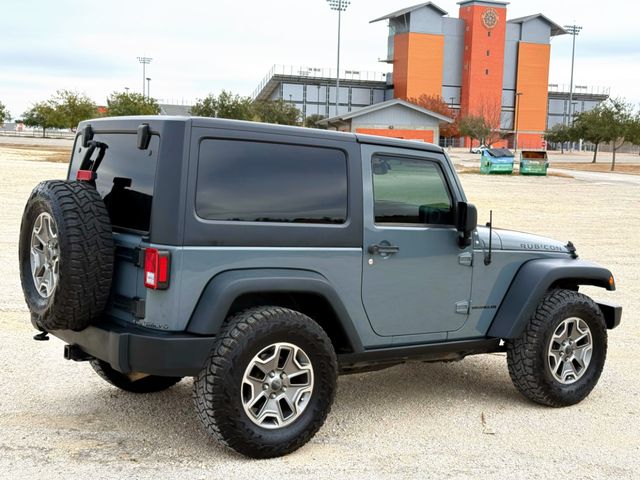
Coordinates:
[58,420]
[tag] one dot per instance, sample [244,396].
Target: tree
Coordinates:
[634,131]
[560,133]
[276,111]
[125,103]
[44,115]
[4,114]
[491,112]
[225,105]
[619,121]
[436,104]
[591,126]
[474,127]
[205,107]
[74,107]
[312,121]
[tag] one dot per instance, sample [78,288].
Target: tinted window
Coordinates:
[410,191]
[267,182]
[126,178]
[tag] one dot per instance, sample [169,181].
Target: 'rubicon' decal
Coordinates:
[484,307]
[541,246]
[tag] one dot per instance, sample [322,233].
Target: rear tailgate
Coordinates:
[125,180]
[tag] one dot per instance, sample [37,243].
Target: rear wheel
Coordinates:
[131,383]
[558,359]
[269,383]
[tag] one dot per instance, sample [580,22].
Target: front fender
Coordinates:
[221,291]
[532,281]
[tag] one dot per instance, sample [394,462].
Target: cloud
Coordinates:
[204,46]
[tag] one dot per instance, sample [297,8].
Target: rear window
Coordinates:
[269,182]
[126,178]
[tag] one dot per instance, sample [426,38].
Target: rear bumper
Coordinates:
[133,349]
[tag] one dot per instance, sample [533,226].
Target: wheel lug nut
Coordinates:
[283,375]
[265,386]
[272,396]
[284,389]
[272,374]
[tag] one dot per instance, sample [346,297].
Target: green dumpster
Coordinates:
[533,162]
[496,160]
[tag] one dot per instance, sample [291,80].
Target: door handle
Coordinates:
[383,249]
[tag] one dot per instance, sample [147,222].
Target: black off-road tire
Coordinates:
[148,384]
[217,390]
[527,356]
[86,255]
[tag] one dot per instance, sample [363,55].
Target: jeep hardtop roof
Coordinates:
[115,124]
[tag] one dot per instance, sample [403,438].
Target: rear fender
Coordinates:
[222,290]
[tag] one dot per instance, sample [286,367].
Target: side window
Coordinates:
[247,181]
[410,191]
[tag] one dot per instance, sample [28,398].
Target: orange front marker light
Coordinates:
[612,282]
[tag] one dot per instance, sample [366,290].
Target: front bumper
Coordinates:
[612,313]
[134,349]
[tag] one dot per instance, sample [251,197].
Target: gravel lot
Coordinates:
[460,420]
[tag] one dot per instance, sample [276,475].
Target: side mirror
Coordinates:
[466,222]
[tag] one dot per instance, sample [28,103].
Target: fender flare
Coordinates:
[224,288]
[532,281]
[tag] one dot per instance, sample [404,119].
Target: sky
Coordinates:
[201,47]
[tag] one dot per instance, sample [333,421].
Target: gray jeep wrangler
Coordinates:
[265,260]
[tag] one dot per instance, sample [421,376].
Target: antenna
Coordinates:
[487,258]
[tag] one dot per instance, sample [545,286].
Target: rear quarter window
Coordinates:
[249,181]
[125,178]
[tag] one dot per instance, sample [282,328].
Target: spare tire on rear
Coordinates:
[66,255]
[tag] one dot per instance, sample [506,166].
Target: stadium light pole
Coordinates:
[340,6]
[148,88]
[144,61]
[572,30]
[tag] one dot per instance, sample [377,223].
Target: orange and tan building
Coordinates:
[480,63]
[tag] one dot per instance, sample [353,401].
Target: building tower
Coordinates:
[480,63]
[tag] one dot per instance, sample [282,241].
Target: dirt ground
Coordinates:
[632,168]
[49,153]
[58,420]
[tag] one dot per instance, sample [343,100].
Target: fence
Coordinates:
[37,133]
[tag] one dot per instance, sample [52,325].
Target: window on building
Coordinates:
[268,182]
[410,191]
[488,33]
[488,53]
[486,72]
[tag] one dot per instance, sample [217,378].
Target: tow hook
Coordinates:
[42,336]
[75,353]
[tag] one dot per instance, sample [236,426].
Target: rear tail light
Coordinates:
[156,269]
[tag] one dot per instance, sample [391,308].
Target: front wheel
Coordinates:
[558,359]
[269,383]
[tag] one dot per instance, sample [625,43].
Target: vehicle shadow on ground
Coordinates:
[164,424]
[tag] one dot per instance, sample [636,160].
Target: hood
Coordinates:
[510,240]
